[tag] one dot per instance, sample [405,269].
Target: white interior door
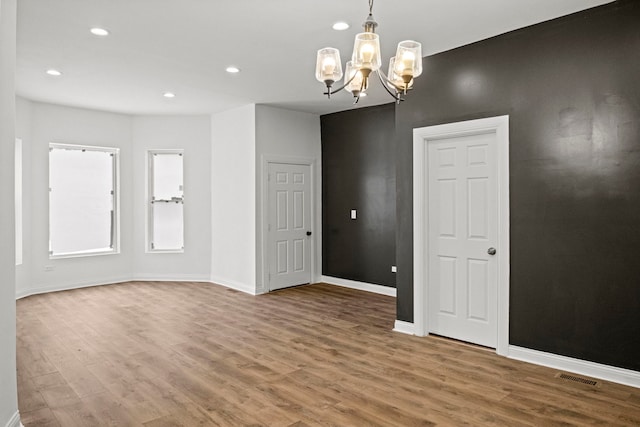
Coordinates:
[289,234]
[462,238]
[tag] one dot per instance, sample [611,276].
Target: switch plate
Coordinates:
[394,269]
[353,214]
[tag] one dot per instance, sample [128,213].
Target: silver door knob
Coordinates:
[491,251]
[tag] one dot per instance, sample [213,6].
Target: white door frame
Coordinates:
[421,137]
[264,220]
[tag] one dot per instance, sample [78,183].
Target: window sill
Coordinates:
[165,251]
[83,254]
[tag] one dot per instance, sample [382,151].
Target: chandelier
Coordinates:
[365,60]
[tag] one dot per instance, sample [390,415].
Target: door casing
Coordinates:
[421,137]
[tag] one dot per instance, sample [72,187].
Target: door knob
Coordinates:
[491,251]
[308,233]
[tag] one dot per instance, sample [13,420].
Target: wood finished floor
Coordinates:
[192,354]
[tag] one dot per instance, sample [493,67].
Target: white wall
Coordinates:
[224,158]
[38,124]
[193,135]
[8,393]
[54,123]
[285,134]
[233,202]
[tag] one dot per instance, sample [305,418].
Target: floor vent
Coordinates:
[576,379]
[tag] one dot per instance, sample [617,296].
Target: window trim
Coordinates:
[149,206]
[19,202]
[115,225]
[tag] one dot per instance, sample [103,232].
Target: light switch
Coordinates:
[394,269]
[353,214]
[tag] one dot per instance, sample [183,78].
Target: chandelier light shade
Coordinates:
[366,52]
[366,60]
[394,76]
[328,66]
[410,58]
[353,79]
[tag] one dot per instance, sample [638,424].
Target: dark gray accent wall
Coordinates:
[358,172]
[571,88]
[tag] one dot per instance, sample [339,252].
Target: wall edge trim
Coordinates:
[151,277]
[14,421]
[404,327]
[232,284]
[137,277]
[361,286]
[67,287]
[578,366]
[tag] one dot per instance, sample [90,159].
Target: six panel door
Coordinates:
[462,230]
[289,222]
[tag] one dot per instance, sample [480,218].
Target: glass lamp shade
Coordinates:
[408,59]
[328,65]
[356,84]
[395,78]
[366,51]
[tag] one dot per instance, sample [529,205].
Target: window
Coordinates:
[165,201]
[83,200]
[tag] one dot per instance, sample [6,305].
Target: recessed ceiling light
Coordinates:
[169,95]
[99,32]
[233,70]
[340,26]
[53,72]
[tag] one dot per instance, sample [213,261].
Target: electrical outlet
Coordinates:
[394,269]
[49,268]
[353,214]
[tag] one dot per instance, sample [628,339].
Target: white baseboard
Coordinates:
[232,284]
[404,327]
[14,421]
[583,367]
[555,361]
[66,287]
[150,277]
[362,286]
[137,277]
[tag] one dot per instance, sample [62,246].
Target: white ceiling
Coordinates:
[184,46]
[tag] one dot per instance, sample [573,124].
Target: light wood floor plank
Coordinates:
[161,354]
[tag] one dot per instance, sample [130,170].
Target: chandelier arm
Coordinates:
[385,80]
[343,86]
[395,96]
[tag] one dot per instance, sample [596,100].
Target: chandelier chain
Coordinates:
[370,7]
